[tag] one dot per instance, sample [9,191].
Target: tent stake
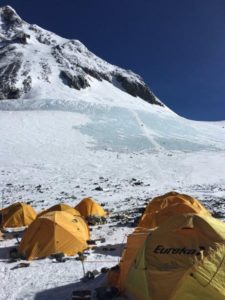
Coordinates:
[82,262]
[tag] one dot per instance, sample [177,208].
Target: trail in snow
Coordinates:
[147,132]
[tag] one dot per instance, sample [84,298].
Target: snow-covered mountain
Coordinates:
[37,63]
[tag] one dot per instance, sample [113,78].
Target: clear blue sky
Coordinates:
[177,46]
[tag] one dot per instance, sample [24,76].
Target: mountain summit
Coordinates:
[37,63]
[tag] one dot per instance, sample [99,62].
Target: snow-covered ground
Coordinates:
[60,151]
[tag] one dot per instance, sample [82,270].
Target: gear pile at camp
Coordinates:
[175,249]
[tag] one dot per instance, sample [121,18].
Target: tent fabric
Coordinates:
[89,207]
[17,215]
[184,258]
[134,242]
[167,199]
[61,207]
[209,272]
[54,232]
[170,204]
[152,220]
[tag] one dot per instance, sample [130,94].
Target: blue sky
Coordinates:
[177,46]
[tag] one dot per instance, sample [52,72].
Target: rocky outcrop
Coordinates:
[77,82]
[137,89]
[10,19]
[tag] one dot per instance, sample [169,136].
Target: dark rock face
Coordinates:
[21,38]
[13,93]
[76,82]
[27,84]
[10,18]
[8,77]
[97,75]
[136,89]
[7,81]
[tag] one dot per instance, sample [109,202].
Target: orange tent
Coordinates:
[54,232]
[17,215]
[152,220]
[170,204]
[89,207]
[61,207]
[160,202]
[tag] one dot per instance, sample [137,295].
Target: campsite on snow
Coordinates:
[106,193]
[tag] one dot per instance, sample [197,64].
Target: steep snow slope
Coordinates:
[116,121]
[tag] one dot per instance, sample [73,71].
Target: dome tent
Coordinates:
[155,219]
[88,207]
[160,202]
[61,207]
[17,215]
[54,232]
[181,259]
[170,204]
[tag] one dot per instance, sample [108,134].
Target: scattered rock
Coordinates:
[58,256]
[98,188]
[13,253]
[104,270]
[137,183]
[218,215]
[20,265]
[96,220]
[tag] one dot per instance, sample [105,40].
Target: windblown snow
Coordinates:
[99,141]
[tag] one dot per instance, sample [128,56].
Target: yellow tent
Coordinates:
[61,207]
[54,232]
[152,220]
[172,203]
[117,277]
[160,202]
[184,258]
[88,207]
[17,215]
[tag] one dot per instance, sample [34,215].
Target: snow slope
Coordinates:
[116,121]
